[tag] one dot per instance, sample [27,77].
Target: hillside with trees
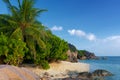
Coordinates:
[75,54]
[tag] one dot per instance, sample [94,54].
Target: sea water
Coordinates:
[111,64]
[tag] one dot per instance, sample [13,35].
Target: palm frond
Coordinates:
[19,4]
[35,33]
[8,3]
[17,34]
[7,19]
[39,11]
[4,28]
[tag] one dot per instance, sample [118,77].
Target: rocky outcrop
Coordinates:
[96,75]
[8,72]
[72,53]
[83,54]
[72,56]
[101,72]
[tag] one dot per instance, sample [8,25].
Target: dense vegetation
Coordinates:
[24,39]
[12,51]
[82,52]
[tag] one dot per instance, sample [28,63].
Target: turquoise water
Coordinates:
[111,64]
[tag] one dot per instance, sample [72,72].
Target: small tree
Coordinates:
[13,50]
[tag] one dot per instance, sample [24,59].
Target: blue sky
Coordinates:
[93,25]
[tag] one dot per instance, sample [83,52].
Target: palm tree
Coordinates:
[22,24]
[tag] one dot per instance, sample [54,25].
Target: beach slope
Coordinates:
[62,69]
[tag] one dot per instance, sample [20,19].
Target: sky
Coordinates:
[92,25]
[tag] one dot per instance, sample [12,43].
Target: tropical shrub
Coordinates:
[13,50]
[57,49]
[45,64]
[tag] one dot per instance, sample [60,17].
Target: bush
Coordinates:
[55,50]
[13,50]
[58,49]
[45,64]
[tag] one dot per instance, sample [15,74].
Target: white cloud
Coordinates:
[77,32]
[91,37]
[112,38]
[81,33]
[108,46]
[56,28]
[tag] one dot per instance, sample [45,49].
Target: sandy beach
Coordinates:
[57,71]
[62,69]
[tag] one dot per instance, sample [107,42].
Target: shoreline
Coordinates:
[62,69]
[58,71]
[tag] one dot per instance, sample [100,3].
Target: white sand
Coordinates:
[63,68]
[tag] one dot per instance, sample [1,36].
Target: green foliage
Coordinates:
[81,52]
[13,50]
[57,49]
[3,45]
[45,64]
[26,39]
[22,24]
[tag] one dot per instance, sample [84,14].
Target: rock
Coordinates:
[96,75]
[43,78]
[69,78]
[46,74]
[86,55]
[8,72]
[72,56]
[104,58]
[52,76]
[84,75]
[83,57]
[57,75]
[101,72]
[72,53]
[90,55]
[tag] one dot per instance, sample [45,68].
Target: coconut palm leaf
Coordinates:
[17,34]
[36,34]
[7,19]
